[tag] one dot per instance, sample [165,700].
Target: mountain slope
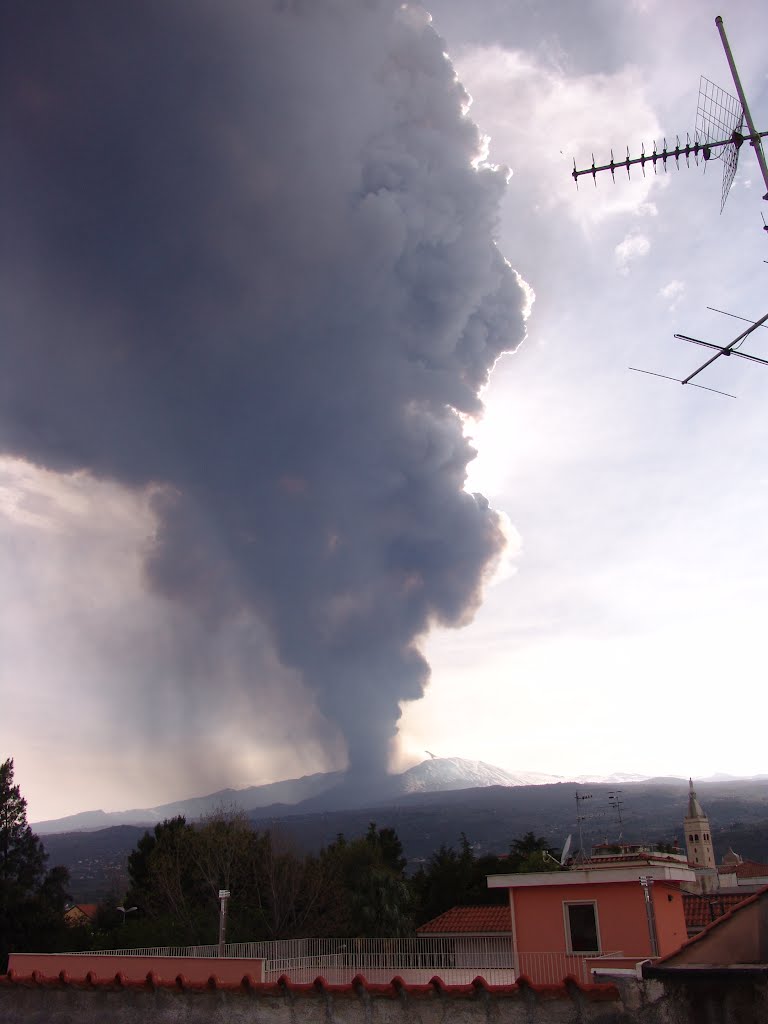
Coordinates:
[322,791]
[491,817]
[327,791]
[252,798]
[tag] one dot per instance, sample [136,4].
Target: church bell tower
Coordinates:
[698,843]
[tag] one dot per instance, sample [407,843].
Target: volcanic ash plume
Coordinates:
[247,260]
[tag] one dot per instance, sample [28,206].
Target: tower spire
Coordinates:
[694,807]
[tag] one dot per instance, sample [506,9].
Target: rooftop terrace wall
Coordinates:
[93,1000]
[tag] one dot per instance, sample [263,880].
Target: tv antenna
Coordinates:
[581,818]
[731,349]
[718,135]
[616,803]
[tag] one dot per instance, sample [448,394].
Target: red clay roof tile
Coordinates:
[88,910]
[470,920]
[750,869]
[702,910]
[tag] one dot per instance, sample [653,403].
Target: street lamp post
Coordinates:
[124,911]
[223,899]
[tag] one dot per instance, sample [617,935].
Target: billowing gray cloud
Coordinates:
[584,36]
[246,259]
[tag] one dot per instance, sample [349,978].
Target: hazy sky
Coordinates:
[169,624]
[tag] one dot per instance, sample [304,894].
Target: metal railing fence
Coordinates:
[442,951]
[454,959]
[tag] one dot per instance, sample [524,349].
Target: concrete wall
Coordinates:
[629,1002]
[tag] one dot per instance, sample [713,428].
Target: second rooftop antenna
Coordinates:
[731,349]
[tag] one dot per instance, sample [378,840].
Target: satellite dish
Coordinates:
[566,851]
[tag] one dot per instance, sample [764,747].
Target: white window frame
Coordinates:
[567,927]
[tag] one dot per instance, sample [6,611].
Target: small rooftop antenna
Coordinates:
[581,818]
[719,127]
[616,804]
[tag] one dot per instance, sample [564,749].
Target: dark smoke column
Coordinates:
[253,264]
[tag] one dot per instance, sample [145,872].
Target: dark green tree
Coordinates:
[32,901]
[532,853]
[174,902]
[455,878]
[177,870]
[367,892]
[389,849]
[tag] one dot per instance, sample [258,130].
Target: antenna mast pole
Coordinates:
[754,137]
[580,819]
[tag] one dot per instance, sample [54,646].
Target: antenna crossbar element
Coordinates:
[735,316]
[695,149]
[731,349]
[727,349]
[723,351]
[678,381]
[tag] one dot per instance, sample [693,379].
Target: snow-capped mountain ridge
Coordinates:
[438,774]
[615,779]
[441,773]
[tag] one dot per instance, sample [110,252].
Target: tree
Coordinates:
[367,893]
[22,857]
[292,890]
[452,878]
[166,885]
[177,871]
[389,849]
[32,900]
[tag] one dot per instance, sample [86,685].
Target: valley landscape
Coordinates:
[490,806]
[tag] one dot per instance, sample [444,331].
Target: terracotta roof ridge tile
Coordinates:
[396,986]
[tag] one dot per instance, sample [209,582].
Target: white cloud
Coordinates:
[647,210]
[540,119]
[629,249]
[673,293]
